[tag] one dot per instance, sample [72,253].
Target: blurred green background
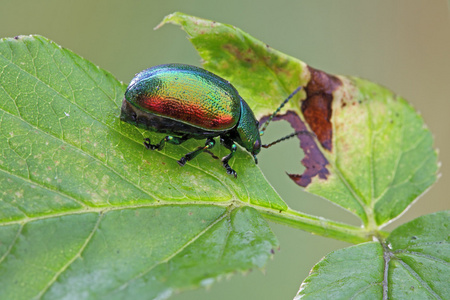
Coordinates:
[403,45]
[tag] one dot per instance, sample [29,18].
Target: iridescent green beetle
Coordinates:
[189,102]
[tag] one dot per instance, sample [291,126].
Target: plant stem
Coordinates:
[322,226]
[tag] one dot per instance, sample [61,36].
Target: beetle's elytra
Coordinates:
[189,102]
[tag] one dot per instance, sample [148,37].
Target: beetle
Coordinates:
[188,102]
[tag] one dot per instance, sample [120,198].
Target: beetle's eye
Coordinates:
[257,123]
[256,146]
[133,116]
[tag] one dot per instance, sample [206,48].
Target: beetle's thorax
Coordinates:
[247,130]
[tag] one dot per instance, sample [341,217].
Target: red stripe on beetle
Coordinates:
[185,112]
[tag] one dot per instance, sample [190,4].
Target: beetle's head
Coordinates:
[248,132]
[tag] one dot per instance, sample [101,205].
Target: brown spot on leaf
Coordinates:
[316,107]
[314,161]
[317,113]
[242,55]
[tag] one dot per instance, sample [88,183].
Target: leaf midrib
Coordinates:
[106,209]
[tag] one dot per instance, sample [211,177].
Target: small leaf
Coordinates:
[414,265]
[87,211]
[420,256]
[373,154]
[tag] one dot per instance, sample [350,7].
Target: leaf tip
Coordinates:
[173,18]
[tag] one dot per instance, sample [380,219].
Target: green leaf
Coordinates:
[87,211]
[127,254]
[373,154]
[420,257]
[415,264]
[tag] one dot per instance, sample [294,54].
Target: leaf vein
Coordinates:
[196,237]
[77,255]
[13,242]
[395,169]
[418,278]
[430,257]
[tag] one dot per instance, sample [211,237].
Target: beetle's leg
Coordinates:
[168,139]
[232,147]
[191,155]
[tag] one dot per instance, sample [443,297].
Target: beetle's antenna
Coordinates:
[288,137]
[278,110]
